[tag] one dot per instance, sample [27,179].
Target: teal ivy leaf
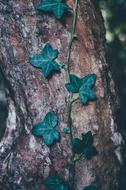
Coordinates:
[57,7]
[85,92]
[46,129]
[84,146]
[46,60]
[54,183]
[90,187]
[66,130]
[83,86]
[74,85]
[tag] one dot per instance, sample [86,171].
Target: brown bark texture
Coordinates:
[28,96]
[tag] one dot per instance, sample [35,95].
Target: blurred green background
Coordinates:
[114,13]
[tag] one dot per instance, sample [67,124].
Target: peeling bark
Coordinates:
[24,159]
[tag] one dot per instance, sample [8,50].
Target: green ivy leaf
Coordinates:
[54,183]
[84,146]
[90,187]
[66,130]
[46,60]
[57,7]
[46,130]
[74,85]
[83,86]
[85,91]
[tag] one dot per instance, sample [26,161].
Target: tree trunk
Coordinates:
[24,159]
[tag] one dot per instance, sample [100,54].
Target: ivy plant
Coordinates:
[57,7]
[55,183]
[45,61]
[83,86]
[46,129]
[85,145]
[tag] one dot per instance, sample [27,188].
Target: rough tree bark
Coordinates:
[24,159]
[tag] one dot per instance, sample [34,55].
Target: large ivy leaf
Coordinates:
[46,129]
[54,183]
[84,146]
[90,187]
[83,86]
[74,85]
[46,60]
[57,7]
[86,93]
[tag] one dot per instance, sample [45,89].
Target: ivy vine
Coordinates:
[83,87]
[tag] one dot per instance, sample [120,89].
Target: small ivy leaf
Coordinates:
[46,130]
[90,187]
[66,130]
[57,7]
[46,60]
[74,85]
[89,152]
[77,146]
[87,139]
[85,91]
[84,146]
[88,149]
[54,183]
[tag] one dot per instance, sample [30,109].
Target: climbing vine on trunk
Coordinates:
[78,88]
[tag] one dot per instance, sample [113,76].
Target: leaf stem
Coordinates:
[71,37]
[70,95]
[69,99]
[69,107]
